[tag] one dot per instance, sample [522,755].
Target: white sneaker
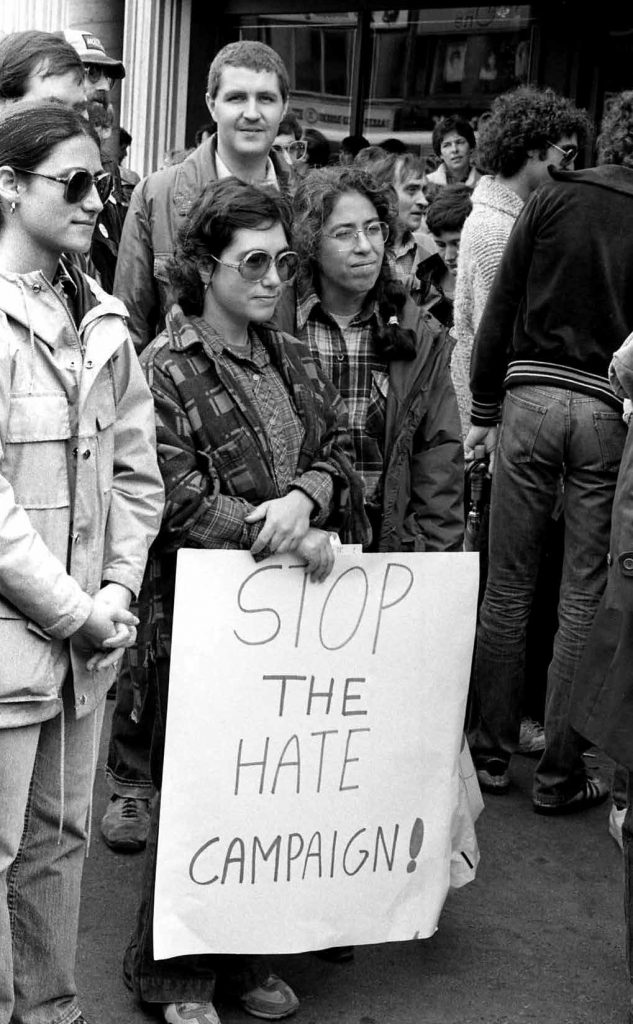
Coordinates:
[185,1013]
[616,820]
[531,738]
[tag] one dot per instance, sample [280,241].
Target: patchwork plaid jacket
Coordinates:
[214,457]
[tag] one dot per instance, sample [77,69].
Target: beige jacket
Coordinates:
[80,490]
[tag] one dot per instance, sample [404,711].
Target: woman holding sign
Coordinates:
[255,454]
[389,364]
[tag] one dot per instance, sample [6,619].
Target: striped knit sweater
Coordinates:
[484,237]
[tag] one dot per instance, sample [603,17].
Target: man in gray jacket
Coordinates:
[247,95]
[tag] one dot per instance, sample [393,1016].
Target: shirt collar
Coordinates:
[310,304]
[223,171]
[187,331]
[407,245]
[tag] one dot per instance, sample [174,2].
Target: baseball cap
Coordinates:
[92,51]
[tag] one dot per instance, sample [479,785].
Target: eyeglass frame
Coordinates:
[271,260]
[384,230]
[301,143]
[98,71]
[570,152]
[67,180]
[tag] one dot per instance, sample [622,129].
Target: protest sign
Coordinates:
[311,759]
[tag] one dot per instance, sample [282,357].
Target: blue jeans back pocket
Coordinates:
[520,426]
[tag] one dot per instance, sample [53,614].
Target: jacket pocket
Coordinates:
[32,664]
[105,420]
[35,461]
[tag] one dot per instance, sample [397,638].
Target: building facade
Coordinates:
[355,67]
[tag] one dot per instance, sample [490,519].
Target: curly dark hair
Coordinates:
[524,119]
[615,141]
[314,203]
[222,208]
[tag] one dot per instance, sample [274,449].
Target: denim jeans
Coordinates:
[546,433]
[127,768]
[45,792]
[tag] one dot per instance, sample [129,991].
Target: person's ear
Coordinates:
[205,270]
[210,102]
[9,187]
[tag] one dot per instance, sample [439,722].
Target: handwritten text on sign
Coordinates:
[311,758]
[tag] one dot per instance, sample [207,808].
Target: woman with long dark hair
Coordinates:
[390,367]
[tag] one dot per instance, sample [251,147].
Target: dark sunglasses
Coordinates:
[94,72]
[78,184]
[569,152]
[256,264]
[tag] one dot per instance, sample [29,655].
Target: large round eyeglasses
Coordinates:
[256,264]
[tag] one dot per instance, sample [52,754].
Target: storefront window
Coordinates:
[424,63]
[432,62]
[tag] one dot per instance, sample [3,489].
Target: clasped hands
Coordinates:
[287,529]
[110,627]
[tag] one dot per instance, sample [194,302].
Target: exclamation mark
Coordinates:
[415,843]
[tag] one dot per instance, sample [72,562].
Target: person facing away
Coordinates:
[255,455]
[80,502]
[247,96]
[528,129]
[373,342]
[558,308]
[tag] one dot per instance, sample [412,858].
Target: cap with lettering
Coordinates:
[92,51]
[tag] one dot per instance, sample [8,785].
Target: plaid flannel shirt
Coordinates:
[360,375]
[403,259]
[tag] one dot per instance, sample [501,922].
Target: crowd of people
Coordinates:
[257,347]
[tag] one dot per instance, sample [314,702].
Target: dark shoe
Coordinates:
[125,824]
[591,793]
[493,775]
[336,954]
[270,1000]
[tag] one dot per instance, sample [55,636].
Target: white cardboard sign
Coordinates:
[311,760]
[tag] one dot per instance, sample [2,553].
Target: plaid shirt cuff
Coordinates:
[320,488]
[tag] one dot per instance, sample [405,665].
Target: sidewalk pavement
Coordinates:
[537,938]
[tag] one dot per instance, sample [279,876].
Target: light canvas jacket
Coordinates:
[80,490]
